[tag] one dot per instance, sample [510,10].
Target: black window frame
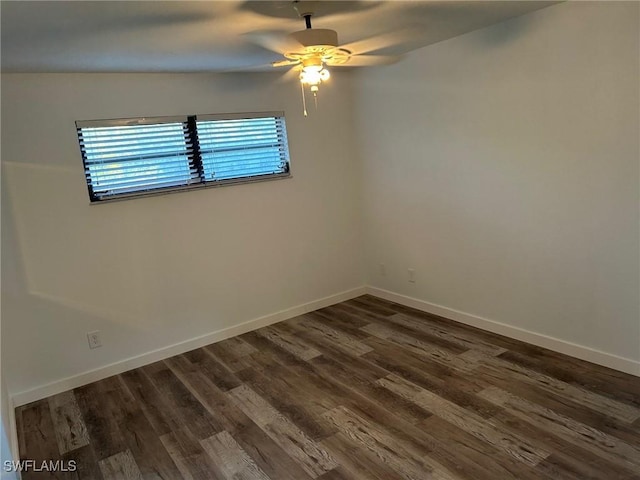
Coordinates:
[192,151]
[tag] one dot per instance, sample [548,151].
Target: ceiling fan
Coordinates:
[310,51]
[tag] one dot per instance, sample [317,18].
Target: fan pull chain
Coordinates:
[304,102]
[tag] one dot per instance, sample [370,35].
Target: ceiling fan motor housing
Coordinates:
[313,37]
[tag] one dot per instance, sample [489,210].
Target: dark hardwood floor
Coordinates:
[365,389]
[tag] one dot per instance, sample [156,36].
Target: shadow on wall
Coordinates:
[32,355]
[505,33]
[33,321]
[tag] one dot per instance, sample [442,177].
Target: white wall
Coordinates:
[8,431]
[155,271]
[503,166]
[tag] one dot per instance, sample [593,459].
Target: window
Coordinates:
[133,157]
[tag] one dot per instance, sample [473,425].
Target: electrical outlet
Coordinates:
[411,275]
[94,339]
[382,269]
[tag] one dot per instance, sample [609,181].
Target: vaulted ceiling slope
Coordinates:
[205,36]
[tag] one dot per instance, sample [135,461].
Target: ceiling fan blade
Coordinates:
[275,41]
[368,61]
[391,39]
[284,63]
[324,8]
[251,68]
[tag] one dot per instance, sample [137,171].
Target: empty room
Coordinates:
[370,240]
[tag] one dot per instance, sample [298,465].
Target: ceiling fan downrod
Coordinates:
[313,68]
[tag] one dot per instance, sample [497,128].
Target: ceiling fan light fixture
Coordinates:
[314,76]
[313,71]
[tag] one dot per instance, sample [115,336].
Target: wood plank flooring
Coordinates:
[365,389]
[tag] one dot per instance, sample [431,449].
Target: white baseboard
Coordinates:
[90,376]
[592,355]
[584,353]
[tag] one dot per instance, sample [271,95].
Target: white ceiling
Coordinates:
[201,36]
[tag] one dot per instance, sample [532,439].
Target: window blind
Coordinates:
[242,147]
[132,157]
[122,159]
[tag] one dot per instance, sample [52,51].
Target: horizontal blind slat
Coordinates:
[248,168]
[229,117]
[128,137]
[256,162]
[217,129]
[156,158]
[145,181]
[140,164]
[140,142]
[115,176]
[141,158]
[248,161]
[130,122]
[264,136]
[133,137]
[246,174]
[240,154]
[240,149]
[135,176]
[241,122]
